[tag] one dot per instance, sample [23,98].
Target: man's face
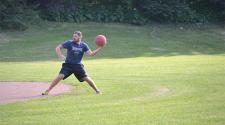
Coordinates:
[76,37]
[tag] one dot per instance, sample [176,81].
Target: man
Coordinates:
[75,51]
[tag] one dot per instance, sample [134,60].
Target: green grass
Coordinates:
[156,74]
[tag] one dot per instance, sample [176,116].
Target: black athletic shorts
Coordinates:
[76,69]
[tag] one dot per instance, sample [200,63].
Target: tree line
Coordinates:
[17,14]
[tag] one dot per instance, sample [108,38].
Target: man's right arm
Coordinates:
[59,52]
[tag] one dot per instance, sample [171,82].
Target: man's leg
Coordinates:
[92,84]
[54,83]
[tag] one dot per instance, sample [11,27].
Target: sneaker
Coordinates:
[98,92]
[44,93]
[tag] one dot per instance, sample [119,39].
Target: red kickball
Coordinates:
[100,40]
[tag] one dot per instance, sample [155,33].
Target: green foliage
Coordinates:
[97,11]
[136,12]
[167,11]
[210,10]
[16,14]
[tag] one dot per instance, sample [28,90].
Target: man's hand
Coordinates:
[93,53]
[62,57]
[59,52]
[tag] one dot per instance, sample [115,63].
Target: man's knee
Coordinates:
[84,78]
[61,76]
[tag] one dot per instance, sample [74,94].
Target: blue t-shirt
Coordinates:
[75,51]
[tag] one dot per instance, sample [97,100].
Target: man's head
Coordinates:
[77,36]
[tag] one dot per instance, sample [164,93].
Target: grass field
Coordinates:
[152,75]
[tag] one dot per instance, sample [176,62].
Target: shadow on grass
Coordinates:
[120,52]
[123,42]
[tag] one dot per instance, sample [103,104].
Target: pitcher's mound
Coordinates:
[11,92]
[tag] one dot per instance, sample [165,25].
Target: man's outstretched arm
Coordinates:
[94,52]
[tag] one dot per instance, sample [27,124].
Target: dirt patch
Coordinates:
[11,92]
[161,91]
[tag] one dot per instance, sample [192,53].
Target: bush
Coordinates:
[210,10]
[166,10]
[16,15]
[97,11]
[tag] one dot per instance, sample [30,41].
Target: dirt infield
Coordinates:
[11,92]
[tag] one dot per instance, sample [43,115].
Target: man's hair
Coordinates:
[79,33]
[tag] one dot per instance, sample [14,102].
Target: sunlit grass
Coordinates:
[149,75]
